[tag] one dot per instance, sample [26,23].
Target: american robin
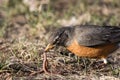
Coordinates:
[90,41]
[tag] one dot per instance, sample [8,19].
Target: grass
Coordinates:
[22,43]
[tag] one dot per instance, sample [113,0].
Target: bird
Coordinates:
[90,41]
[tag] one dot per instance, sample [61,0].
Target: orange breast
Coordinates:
[92,52]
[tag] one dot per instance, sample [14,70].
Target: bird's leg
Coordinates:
[84,62]
[77,59]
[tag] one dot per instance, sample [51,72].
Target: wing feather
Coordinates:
[97,35]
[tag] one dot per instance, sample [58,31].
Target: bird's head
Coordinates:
[59,38]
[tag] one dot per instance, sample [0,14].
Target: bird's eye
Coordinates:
[55,40]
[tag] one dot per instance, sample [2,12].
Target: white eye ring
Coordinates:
[56,38]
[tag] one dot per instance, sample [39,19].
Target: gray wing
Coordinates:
[93,35]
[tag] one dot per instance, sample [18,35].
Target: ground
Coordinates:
[24,34]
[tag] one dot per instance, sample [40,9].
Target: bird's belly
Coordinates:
[92,52]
